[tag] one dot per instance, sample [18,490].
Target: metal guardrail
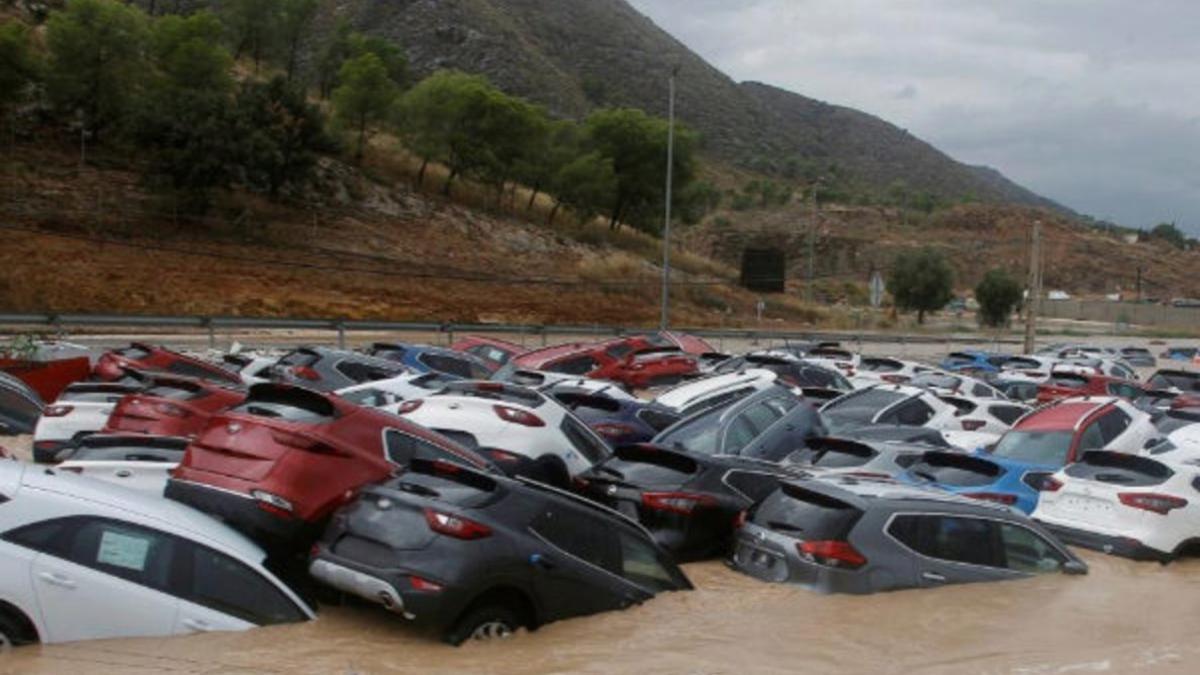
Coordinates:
[211,324]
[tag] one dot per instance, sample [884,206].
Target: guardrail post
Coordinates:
[341,334]
[212,333]
[449,328]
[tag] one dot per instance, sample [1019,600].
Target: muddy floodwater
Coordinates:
[1124,617]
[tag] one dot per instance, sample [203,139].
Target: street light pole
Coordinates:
[666,239]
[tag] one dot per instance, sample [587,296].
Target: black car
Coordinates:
[474,555]
[690,484]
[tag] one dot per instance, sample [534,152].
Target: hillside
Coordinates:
[575,55]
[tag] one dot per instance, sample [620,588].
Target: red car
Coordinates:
[492,350]
[616,360]
[277,465]
[112,364]
[171,407]
[1065,385]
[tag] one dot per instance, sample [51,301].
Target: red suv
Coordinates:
[279,463]
[1066,385]
[111,365]
[171,407]
[619,360]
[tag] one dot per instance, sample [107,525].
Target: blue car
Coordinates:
[982,476]
[973,361]
[619,421]
[430,359]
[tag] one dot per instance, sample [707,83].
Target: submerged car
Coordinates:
[325,369]
[1139,507]
[619,421]
[171,407]
[277,465]
[474,555]
[891,404]
[859,458]
[133,461]
[81,559]
[1138,357]
[82,409]
[112,365]
[615,360]
[429,359]
[850,535]
[971,361]
[1062,385]
[690,398]
[494,351]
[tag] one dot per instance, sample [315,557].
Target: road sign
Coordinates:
[877,289]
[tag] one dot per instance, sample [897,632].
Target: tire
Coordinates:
[12,634]
[486,623]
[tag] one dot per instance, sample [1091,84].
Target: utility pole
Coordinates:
[665,321]
[812,236]
[1139,284]
[1034,285]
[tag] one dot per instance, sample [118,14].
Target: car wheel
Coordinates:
[484,624]
[11,634]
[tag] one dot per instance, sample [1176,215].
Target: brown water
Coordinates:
[1124,617]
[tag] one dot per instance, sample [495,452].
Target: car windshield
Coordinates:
[1035,447]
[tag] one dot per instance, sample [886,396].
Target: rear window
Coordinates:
[1021,364]
[299,358]
[451,365]
[197,370]
[857,409]
[1135,351]
[720,400]
[583,440]
[1068,380]
[1167,380]
[292,404]
[389,352]
[696,434]
[806,514]
[364,372]
[1009,414]
[881,365]
[1119,469]
[580,365]
[657,419]
[134,352]
[937,381]
[961,471]
[834,456]
[1035,447]
[649,467]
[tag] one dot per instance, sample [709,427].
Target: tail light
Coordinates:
[973,425]
[613,430]
[57,410]
[409,406]
[171,410]
[517,416]
[306,373]
[676,502]
[423,584]
[1147,501]
[455,526]
[839,554]
[1042,482]
[998,497]
[272,503]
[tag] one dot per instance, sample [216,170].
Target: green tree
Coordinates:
[696,201]
[364,97]
[389,53]
[546,155]
[96,60]
[19,65]
[586,185]
[1169,233]
[921,281]
[188,53]
[253,26]
[636,143]
[295,19]
[998,295]
[280,133]
[332,54]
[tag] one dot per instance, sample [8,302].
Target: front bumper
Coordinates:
[1125,547]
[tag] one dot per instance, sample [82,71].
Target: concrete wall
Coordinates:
[1121,312]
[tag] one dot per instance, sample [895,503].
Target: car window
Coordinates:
[446,364]
[1008,414]
[223,584]
[741,432]
[858,408]
[982,391]
[402,448]
[695,434]
[641,564]
[1026,550]
[1035,447]
[763,415]
[579,365]
[583,440]
[618,350]
[912,413]
[718,400]
[362,372]
[490,353]
[48,536]
[1113,424]
[580,535]
[1124,390]
[131,552]
[959,539]
[1092,438]
[369,397]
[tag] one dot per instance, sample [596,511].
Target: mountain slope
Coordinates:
[575,55]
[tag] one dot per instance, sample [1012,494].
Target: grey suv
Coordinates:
[850,535]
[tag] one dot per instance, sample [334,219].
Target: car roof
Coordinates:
[1064,415]
[886,493]
[161,513]
[539,357]
[689,392]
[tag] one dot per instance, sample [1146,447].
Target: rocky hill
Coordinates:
[575,55]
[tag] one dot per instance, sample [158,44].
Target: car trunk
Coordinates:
[622,481]
[797,515]
[1092,497]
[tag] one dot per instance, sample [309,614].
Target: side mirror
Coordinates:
[1075,567]
[1153,442]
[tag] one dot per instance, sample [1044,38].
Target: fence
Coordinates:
[1121,313]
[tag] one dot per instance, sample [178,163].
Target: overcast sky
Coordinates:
[1093,103]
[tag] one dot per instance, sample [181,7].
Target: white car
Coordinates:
[81,559]
[884,370]
[889,404]
[1136,506]
[692,397]
[987,415]
[591,386]
[835,357]
[134,461]
[81,409]
[1030,367]
[520,429]
[543,380]
[953,384]
[380,393]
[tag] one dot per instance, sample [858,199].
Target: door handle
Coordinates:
[542,561]
[124,473]
[198,625]
[55,579]
[933,576]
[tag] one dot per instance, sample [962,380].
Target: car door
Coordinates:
[102,578]
[219,593]
[575,569]
[952,549]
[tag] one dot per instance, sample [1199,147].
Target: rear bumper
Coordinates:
[390,589]
[1125,547]
[243,513]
